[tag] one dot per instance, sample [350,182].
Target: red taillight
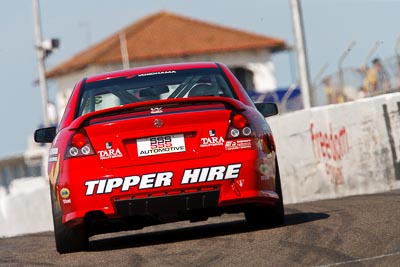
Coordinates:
[239,127]
[239,121]
[78,140]
[79,146]
[268,143]
[272,141]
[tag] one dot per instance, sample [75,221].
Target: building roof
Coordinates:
[166,35]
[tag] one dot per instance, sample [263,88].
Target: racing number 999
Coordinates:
[160,142]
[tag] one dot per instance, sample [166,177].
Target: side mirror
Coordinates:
[45,135]
[267,109]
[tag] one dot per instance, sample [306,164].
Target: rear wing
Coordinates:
[157,106]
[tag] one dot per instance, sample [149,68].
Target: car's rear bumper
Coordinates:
[255,183]
[175,204]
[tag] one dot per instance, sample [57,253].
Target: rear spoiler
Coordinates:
[156,104]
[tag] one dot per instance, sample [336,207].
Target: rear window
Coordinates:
[153,86]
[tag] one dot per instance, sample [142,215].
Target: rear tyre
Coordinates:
[268,216]
[68,239]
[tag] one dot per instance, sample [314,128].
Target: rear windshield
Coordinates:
[153,86]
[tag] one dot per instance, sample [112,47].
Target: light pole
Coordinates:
[396,46]
[340,66]
[43,49]
[318,75]
[302,64]
[40,53]
[124,50]
[371,52]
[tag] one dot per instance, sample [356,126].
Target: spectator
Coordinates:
[330,95]
[363,92]
[376,78]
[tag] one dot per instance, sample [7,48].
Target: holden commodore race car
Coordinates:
[160,144]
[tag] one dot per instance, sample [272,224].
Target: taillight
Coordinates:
[239,127]
[239,121]
[272,141]
[79,146]
[79,140]
[268,143]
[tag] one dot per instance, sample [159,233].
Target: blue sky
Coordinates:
[330,25]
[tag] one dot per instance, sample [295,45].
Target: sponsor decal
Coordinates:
[240,182]
[208,174]
[161,145]
[108,145]
[267,167]
[54,172]
[109,153]
[67,201]
[53,154]
[156,110]
[64,192]
[162,179]
[157,73]
[53,151]
[106,186]
[238,144]
[211,141]
[53,177]
[163,150]
[53,158]
[211,133]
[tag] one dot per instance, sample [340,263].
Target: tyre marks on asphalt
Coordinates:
[361,230]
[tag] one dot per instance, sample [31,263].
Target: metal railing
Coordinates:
[354,83]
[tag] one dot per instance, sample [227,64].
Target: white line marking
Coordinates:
[360,260]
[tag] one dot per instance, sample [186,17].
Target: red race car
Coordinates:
[160,144]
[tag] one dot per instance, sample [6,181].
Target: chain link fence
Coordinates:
[382,76]
[348,84]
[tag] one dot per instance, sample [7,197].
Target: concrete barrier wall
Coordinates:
[26,207]
[339,150]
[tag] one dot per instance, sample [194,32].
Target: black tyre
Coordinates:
[268,216]
[68,239]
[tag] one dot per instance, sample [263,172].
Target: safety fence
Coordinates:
[349,84]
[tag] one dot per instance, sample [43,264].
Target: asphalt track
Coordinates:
[353,231]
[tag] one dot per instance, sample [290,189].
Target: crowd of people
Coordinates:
[376,80]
